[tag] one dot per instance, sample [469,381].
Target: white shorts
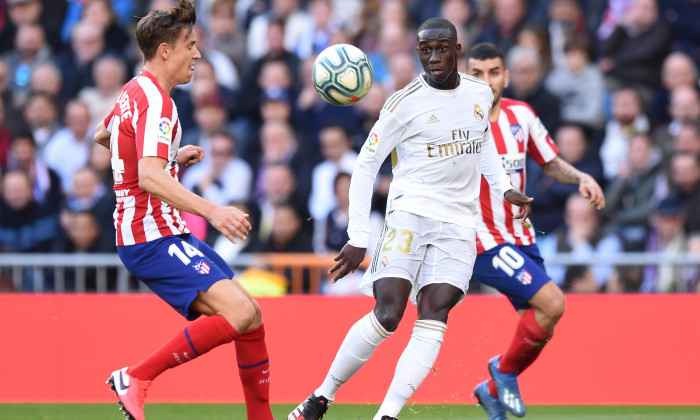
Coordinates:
[423,251]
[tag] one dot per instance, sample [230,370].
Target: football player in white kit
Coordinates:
[437,132]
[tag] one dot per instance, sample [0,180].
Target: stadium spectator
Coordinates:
[88,193]
[296,21]
[688,138]
[534,36]
[331,233]
[227,35]
[25,226]
[222,177]
[30,50]
[339,156]
[632,53]
[68,149]
[5,139]
[203,85]
[279,145]
[317,36]
[279,185]
[684,110]
[311,113]
[630,195]
[685,186]
[578,85]
[550,196]
[628,119]
[109,74]
[210,118]
[678,69]
[101,13]
[393,39]
[584,237]
[40,116]
[16,13]
[402,70]
[46,78]
[84,236]
[275,104]
[225,71]
[46,184]
[681,15]
[566,20]
[527,85]
[460,13]
[286,233]
[508,18]
[666,237]
[87,45]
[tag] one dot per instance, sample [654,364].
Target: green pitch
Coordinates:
[337,412]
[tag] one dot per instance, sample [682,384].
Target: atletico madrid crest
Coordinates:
[201,267]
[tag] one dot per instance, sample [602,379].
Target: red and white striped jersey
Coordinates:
[518,133]
[143,122]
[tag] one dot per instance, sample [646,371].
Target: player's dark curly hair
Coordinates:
[440,23]
[164,26]
[486,51]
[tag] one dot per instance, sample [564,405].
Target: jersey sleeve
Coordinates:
[109,120]
[154,130]
[540,145]
[491,166]
[386,133]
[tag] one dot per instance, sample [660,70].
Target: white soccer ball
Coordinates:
[342,74]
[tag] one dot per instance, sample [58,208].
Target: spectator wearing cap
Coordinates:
[666,237]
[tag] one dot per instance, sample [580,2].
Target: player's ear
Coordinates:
[164,51]
[506,78]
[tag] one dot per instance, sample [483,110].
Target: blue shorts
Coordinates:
[176,268]
[516,271]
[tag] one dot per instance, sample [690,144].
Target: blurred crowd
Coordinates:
[615,83]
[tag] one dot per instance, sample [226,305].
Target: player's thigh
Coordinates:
[549,299]
[511,271]
[177,268]
[400,251]
[449,260]
[391,297]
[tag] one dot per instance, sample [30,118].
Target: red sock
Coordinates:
[254,370]
[196,339]
[527,344]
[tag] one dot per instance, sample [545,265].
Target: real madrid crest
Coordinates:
[478,112]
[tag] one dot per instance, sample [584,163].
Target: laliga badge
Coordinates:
[478,112]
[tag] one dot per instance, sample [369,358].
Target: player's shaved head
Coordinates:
[445,29]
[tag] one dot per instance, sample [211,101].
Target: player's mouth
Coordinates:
[435,71]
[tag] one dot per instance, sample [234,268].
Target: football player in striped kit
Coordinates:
[508,258]
[143,133]
[427,249]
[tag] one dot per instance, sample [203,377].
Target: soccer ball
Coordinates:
[342,74]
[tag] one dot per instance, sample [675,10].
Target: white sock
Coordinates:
[413,366]
[358,346]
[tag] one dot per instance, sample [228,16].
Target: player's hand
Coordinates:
[590,189]
[520,200]
[189,155]
[349,258]
[231,222]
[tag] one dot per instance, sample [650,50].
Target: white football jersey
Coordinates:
[440,145]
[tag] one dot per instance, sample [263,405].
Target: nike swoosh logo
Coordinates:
[266,371]
[122,387]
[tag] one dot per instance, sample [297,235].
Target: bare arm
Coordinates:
[561,171]
[154,180]
[102,135]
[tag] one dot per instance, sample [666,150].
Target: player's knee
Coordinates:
[555,306]
[244,315]
[388,317]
